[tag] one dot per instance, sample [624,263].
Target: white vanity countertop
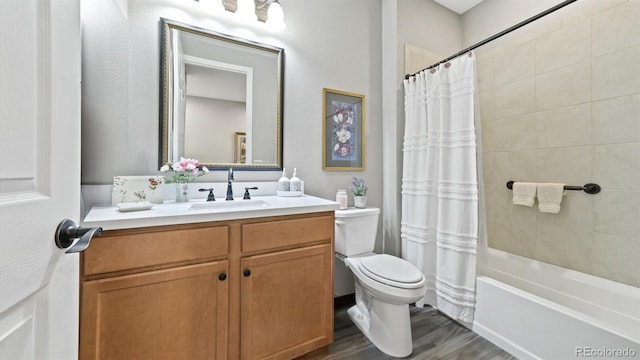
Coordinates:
[110,218]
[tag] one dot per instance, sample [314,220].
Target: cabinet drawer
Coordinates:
[132,251]
[286,233]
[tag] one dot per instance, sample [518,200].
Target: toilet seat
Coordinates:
[391,271]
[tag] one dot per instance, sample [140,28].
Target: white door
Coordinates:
[39,176]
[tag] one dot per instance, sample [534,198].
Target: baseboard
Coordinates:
[344,301]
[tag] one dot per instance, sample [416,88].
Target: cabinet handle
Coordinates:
[247,273]
[222,277]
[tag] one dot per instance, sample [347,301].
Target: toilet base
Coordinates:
[387,326]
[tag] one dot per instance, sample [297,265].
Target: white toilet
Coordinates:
[385,285]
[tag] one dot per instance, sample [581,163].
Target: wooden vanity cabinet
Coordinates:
[287,295]
[258,288]
[178,313]
[157,293]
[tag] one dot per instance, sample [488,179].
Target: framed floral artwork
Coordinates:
[343,117]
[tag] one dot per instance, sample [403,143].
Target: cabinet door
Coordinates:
[178,313]
[286,303]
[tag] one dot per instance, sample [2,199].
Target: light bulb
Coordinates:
[246,10]
[275,17]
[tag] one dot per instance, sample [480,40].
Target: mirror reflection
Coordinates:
[221,99]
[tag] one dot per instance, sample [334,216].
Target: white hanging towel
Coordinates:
[550,197]
[524,193]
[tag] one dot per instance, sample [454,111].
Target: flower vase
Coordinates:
[182,192]
[360,202]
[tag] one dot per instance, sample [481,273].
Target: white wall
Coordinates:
[430,26]
[211,138]
[331,43]
[492,16]
[391,152]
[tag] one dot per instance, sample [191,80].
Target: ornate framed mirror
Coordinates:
[214,86]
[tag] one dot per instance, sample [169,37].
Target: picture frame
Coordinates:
[240,147]
[343,130]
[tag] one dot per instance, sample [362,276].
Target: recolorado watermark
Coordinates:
[588,352]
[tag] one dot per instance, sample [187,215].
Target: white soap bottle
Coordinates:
[295,183]
[283,183]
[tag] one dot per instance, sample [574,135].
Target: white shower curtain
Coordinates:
[439,186]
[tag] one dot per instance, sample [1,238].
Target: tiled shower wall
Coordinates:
[560,102]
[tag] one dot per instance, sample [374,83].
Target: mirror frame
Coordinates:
[166,93]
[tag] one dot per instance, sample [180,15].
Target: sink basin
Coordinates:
[230,205]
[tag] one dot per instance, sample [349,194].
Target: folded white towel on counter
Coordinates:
[524,193]
[550,197]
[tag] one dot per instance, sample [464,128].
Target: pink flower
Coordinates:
[184,171]
[185,163]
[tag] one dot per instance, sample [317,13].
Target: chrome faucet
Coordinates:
[229,181]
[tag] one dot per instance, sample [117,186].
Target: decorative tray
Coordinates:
[135,206]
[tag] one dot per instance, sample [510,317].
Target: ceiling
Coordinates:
[206,82]
[459,6]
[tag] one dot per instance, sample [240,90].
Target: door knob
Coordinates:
[247,273]
[67,232]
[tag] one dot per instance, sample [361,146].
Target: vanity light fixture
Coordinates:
[268,12]
[275,16]
[246,10]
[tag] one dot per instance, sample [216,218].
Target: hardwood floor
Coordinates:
[435,337]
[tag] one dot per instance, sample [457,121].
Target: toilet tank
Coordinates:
[356,230]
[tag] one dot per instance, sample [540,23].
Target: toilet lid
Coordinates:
[392,271]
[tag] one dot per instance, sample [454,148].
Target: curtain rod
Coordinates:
[500,34]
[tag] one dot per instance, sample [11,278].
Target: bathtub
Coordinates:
[539,311]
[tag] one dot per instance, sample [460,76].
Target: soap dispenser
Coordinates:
[283,183]
[295,184]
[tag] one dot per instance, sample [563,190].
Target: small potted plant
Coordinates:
[182,173]
[359,191]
